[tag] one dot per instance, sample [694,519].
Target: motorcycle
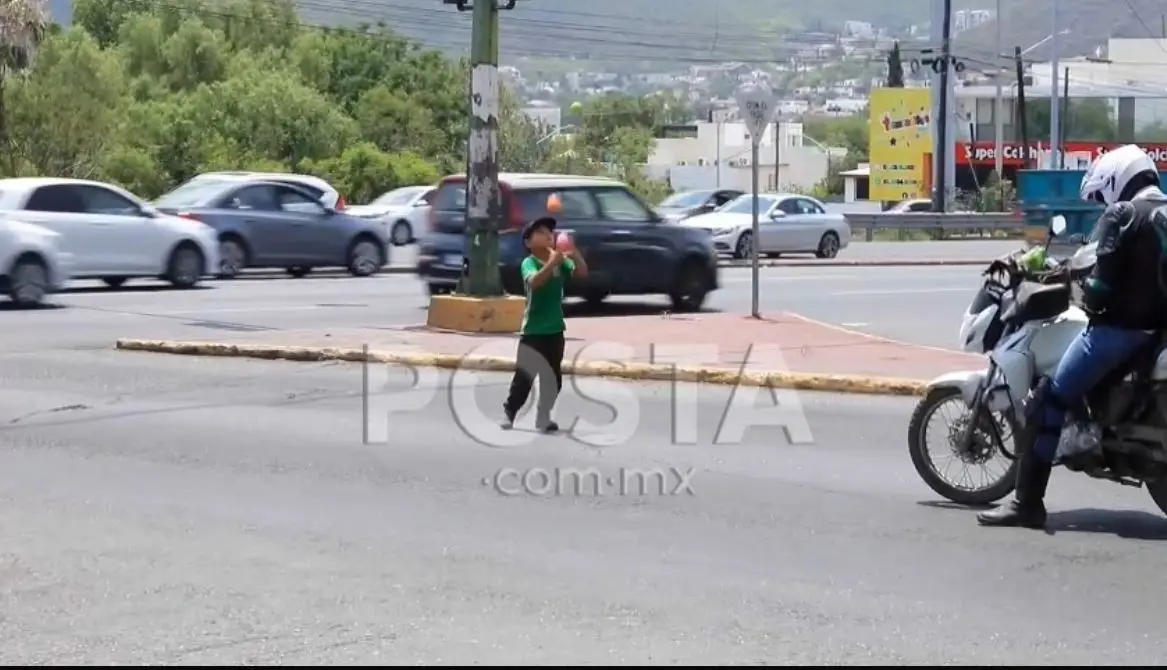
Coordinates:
[1024,319]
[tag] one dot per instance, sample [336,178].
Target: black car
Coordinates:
[684,204]
[630,249]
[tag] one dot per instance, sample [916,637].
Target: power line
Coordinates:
[554,36]
[1146,27]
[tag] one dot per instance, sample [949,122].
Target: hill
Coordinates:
[664,30]
[1090,23]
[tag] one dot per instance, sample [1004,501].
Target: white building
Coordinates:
[1133,79]
[719,157]
[970,18]
[861,29]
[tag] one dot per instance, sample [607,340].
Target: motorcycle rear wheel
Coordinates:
[918,449]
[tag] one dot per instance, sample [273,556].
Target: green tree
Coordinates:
[149,94]
[22,29]
[524,145]
[65,114]
[363,171]
[1083,120]
[895,68]
[849,132]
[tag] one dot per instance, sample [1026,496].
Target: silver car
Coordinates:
[403,211]
[787,223]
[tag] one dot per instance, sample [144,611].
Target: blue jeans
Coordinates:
[1096,352]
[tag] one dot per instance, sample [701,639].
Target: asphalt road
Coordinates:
[914,304]
[170,510]
[859,251]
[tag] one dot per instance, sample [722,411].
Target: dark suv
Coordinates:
[630,249]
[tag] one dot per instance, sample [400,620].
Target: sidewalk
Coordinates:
[781,343]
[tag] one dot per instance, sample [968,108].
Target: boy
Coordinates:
[541,338]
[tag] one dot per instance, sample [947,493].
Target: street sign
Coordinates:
[757,108]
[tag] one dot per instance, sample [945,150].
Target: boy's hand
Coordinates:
[556,258]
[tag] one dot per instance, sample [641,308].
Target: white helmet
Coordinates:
[1109,174]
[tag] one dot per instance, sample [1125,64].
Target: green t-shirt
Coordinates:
[543,314]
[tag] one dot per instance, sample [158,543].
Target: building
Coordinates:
[1133,80]
[970,18]
[718,155]
[859,29]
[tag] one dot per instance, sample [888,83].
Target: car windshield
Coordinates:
[745,204]
[400,196]
[690,199]
[192,194]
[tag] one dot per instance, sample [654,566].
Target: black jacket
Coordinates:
[1132,264]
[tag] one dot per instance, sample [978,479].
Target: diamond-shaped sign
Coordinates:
[757,107]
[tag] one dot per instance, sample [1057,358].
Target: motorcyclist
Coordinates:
[1126,299]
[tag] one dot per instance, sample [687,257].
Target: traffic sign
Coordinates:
[757,107]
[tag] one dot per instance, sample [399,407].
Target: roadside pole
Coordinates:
[757,108]
[480,276]
[478,304]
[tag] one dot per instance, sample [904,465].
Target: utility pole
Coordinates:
[777,151]
[480,277]
[1055,121]
[1022,120]
[940,193]
[998,113]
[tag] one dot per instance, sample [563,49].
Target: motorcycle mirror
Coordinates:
[1058,225]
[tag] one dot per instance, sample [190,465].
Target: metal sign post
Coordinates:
[757,108]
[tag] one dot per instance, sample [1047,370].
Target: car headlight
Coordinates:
[718,232]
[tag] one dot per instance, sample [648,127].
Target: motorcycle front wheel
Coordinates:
[986,449]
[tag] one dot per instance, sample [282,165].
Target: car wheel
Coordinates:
[28,282]
[401,234]
[232,257]
[828,246]
[690,287]
[114,282]
[186,266]
[365,257]
[298,271]
[745,246]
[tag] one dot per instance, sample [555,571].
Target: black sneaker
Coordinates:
[508,421]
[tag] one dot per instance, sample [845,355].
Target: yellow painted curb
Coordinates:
[467,314]
[631,371]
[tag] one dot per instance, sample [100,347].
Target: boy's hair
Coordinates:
[547,223]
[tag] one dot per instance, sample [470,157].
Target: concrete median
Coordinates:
[722,376]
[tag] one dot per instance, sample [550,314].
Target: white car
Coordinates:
[109,233]
[787,223]
[319,188]
[402,210]
[32,264]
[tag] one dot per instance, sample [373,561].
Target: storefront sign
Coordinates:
[900,139]
[1078,154]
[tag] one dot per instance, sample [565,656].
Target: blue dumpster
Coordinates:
[1043,194]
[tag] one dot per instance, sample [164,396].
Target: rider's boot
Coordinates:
[1027,509]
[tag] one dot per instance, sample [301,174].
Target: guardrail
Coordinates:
[941,226]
